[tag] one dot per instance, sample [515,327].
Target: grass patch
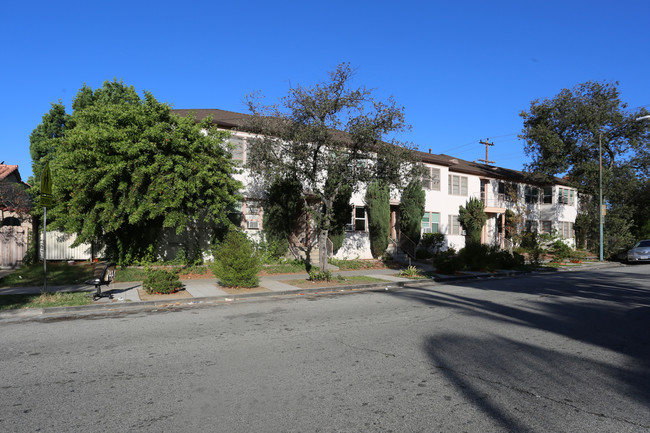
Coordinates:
[336,281]
[123,275]
[14,302]
[57,274]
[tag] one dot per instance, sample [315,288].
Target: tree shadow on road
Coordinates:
[610,310]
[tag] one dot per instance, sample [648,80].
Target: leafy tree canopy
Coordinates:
[562,134]
[126,167]
[329,131]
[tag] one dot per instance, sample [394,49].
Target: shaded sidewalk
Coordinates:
[125,294]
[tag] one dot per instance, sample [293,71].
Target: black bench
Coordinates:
[103,276]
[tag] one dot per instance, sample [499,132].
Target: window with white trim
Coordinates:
[431,222]
[566,230]
[454,225]
[253,214]
[531,194]
[530,226]
[548,195]
[238,151]
[357,220]
[457,185]
[547,227]
[565,196]
[431,179]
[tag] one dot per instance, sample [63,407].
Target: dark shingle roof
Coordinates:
[222,118]
[230,119]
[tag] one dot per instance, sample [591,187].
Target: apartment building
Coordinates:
[449,183]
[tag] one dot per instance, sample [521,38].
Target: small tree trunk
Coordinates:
[322,250]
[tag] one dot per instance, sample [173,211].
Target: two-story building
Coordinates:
[448,184]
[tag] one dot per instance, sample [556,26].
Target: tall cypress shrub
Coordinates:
[411,210]
[378,205]
[342,211]
[472,218]
[281,211]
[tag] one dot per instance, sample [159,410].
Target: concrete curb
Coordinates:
[121,307]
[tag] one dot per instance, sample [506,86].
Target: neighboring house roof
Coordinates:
[230,119]
[8,170]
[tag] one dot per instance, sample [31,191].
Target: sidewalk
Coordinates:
[207,290]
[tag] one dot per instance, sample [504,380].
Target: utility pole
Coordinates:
[487,145]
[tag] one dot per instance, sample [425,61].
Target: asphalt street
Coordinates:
[566,352]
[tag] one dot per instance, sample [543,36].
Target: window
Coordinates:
[454,225]
[507,192]
[457,185]
[235,214]
[531,195]
[357,220]
[530,226]
[10,222]
[360,219]
[431,179]
[548,195]
[253,215]
[566,196]
[238,150]
[431,222]
[547,227]
[566,229]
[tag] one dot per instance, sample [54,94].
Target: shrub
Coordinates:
[422,254]
[281,210]
[341,212]
[411,210]
[161,281]
[410,272]
[504,260]
[320,276]
[476,257]
[472,218]
[561,251]
[236,263]
[447,262]
[433,241]
[378,205]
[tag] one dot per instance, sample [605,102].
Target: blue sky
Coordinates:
[462,70]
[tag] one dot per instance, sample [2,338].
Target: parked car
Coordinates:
[640,252]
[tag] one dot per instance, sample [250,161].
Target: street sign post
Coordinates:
[46,201]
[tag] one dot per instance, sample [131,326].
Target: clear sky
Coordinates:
[463,70]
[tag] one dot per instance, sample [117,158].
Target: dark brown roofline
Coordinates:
[232,120]
[221,118]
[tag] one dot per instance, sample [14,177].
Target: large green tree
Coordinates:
[329,131]
[126,167]
[564,135]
